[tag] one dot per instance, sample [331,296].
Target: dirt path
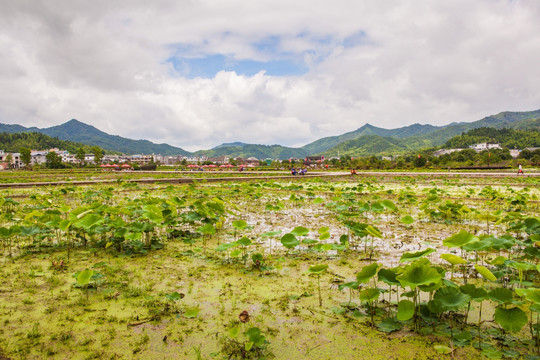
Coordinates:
[260,176]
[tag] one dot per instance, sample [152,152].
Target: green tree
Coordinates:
[9,160]
[98,154]
[53,161]
[420,161]
[26,156]
[80,155]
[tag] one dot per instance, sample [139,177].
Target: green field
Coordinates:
[369,267]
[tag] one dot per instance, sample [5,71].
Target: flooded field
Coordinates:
[367,267]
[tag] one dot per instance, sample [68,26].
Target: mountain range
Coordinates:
[77,131]
[366,140]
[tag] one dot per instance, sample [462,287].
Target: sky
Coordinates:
[199,73]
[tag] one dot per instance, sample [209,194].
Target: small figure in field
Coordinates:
[293,171]
[353,172]
[520,169]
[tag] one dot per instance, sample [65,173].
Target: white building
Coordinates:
[484,146]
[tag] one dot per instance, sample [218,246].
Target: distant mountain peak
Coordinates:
[78,131]
[237,143]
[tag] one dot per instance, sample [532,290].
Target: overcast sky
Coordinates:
[196,74]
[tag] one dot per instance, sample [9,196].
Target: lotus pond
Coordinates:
[351,268]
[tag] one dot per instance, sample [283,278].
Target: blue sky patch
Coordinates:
[193,61]
[208,66]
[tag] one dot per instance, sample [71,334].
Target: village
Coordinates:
[13,160]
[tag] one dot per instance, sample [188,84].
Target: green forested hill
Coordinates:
[258,151]
[509,138]
[421,136]
[37,141]
[367,140]
[77,131]
[324,144]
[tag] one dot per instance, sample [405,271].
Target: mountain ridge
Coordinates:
[366,140]
[77,131]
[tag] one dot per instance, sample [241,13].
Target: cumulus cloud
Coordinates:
[270,71]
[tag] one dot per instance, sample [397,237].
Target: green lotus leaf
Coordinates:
[367,273]
[84,277]
[387,204]
[323,230]
[192,312]
[442,349]
[349,285]
[501,295]
[416,255]
[89,220]
[174,296]
[377,207]
[317,269]
[389,325]
[453,259]
[480,245]
[459,239]
[152,213]
[450,299]
[405,310]
[244,241]
[300,231]
[324,236]
[504,242]
[289,241]
[373,231]
[482,270]
[326,247]
[207,229]
[533,295]
[369,294]
[510,319]
[418,274]
[254,336]
[388,276]
[239,224]
[431,287]
[476,293]
[407,220]
[522,265]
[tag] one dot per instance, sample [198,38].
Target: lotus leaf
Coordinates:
[482,270]
[369,294]
[239,224]
[459,239]
[300,231]
[416,255]
[405,310]
[407,220]
[317,269]
[388,276]
[367,273]
[453,259]
[501,295]
[476,293]
[289,241]
[450,299]
[418,274]
[510,319]
[83,278]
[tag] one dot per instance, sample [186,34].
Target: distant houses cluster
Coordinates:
[39,157]
[481,147]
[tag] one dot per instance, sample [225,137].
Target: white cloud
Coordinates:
[390,63]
